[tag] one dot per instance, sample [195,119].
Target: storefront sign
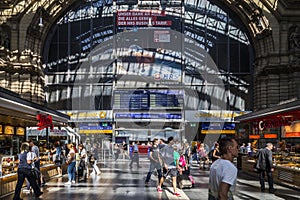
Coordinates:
[45,121]
[20,131]
[82,116]
[275,123]
[9,130]
[291,131]
[254,136]
[270,136]
[213,115]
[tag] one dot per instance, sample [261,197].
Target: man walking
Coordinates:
[265,166]
[36,150]
[223,173]
[155,161]
[170,166]
[135,156]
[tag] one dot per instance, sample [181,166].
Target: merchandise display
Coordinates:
[288,160]
[8,165]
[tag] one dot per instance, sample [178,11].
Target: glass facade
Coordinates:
[105,46]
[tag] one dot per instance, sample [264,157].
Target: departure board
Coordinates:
[146,99]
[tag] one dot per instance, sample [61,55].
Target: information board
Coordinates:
[218,128]
[146,99]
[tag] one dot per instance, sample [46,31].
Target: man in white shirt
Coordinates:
[223,173]
[36,150]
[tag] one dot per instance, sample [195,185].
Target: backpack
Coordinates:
[182,161]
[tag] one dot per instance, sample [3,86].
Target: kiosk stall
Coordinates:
[279,125]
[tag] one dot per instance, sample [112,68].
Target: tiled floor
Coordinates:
[119,182]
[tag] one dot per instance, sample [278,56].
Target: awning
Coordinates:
[289,110]
[17,111]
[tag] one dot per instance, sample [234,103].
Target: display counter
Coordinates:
[288,174]
[8,182]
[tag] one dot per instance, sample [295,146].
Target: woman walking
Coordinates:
[71,165]
[24,171]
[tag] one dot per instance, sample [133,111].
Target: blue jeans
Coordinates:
[71,171]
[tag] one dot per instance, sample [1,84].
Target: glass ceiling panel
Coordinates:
[92,41]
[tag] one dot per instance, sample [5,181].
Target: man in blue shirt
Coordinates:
[135,157]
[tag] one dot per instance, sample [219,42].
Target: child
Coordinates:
[182,165]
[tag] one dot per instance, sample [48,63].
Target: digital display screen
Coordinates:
[145,99]
[218,128]
[148,116]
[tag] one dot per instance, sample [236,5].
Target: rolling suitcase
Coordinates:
[184,181]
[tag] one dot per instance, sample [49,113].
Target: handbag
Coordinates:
[82,163]
[92,159]
[36,173]
[255,169]
[57,159]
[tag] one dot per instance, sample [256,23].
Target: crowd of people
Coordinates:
[167,158]
[79,161]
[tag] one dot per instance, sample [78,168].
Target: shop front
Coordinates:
[279,125]
[209,125]
[17,114]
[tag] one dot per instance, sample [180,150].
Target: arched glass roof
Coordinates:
[201,48]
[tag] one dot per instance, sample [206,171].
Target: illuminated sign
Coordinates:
[254,136]
[45,121]
[291,131]
[148,116]
[20,131]
[146,99]
[9,130]
[218,128]
[262,125]
[270,136]
[213,115]
[82,116]
[104,128]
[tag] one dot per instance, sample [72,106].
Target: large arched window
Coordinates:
[100,47]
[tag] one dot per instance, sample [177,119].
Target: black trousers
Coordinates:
[22,174]
[262,174]
[135,158]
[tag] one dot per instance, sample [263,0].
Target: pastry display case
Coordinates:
[286,168]
[8,165]
[45,158]
[287,160]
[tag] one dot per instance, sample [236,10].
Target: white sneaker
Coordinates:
[68,183]
[73,182]
[26,191]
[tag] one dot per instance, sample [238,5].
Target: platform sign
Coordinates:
[218,128]
[101,128]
